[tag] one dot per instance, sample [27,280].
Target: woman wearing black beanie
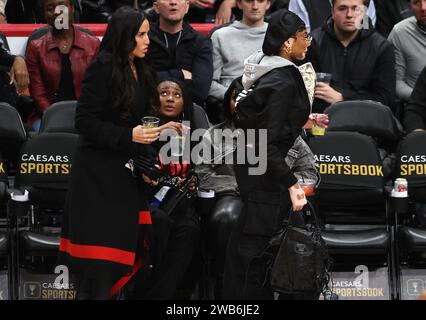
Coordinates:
[274,98]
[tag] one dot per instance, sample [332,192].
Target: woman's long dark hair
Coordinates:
[119,41]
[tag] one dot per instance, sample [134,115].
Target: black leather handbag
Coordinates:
[301,258]
[178,194]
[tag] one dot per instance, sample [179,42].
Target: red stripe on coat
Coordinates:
[145,217]
[122,282]
[97,252]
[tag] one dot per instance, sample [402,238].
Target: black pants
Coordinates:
[170,269]
[245,275]
[220,225]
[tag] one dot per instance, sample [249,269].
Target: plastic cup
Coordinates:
[317,131]
[324,77]
[177,144]
[308,186]
[150,122]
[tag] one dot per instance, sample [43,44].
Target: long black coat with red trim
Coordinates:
[104,202]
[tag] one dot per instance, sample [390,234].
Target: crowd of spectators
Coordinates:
[373,49]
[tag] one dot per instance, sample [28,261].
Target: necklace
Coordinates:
[65,46]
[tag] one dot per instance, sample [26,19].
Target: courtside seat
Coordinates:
[12,132]
[411,165]
[351,198]
[45,167]
[201,120]
[59,117]
[413,239]
[360,241]
[364,116]
[352,202]
[39,244]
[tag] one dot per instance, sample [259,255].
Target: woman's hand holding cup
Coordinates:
[145,135]
[176,126]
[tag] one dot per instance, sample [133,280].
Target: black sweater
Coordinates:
[193,53]
[364,70]
[415,111]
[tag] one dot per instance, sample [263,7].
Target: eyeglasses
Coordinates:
[308,39]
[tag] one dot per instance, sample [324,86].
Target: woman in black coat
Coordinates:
[274,98]
[106,224]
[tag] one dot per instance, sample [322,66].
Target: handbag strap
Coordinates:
[305,209]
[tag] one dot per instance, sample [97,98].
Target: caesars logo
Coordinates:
[44,164]
[341,165]
[358,287]
[413,165]
[60,289]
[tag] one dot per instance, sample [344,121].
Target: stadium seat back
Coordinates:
[367,117]
[44,167]
[59,117]
[352,180]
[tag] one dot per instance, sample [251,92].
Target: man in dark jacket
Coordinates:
[415,111]
[360,60]
[18,71]
[178,51]
[389,13]
[100,11]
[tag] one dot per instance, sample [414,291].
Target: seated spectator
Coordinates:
[99,11]
[7,89]
[178,51]
[23,11]
[176,233]
[415,111]
[202,11]
[228,11]
[409,40]
[57,61]
[360,61]
[315,12]
[233,44]
[389,13]
[29,11]
[17,67]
